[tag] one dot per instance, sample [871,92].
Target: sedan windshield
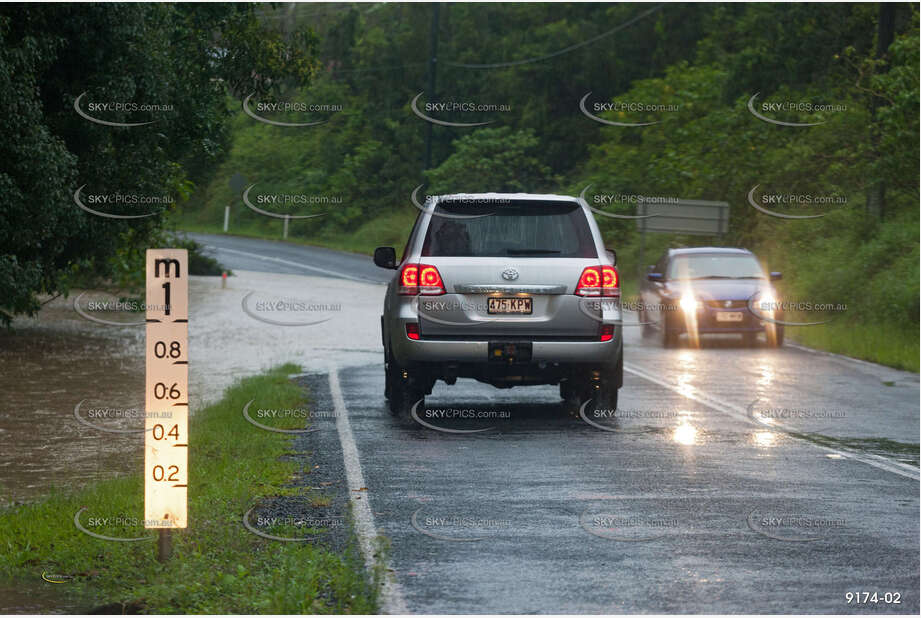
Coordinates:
[714,266]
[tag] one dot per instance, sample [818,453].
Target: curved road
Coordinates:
[732,480]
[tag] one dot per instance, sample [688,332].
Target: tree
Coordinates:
[181,59]
[500,160]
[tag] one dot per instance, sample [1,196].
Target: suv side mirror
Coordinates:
[654,276]
[776,276]
[613,255]
[386,257]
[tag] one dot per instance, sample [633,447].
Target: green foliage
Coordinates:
[706,61]
[370,155]
[183,58]
[500,159]
[713,149]
[896,90]
[35,177]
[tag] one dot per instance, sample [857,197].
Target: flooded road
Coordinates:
[47,366]
[712,436]
[57,361]
[73,389]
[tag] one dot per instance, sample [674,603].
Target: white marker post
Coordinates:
[166,439]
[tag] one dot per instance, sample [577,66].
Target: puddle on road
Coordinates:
[44,373]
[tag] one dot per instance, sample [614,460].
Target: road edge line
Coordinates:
[391,594]
[877,461]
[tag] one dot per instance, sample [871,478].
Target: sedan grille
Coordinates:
[727,304]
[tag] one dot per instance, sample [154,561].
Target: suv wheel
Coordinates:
[567,389]
[404,392]
[404,398]
[605,396]
[606,389]
[601,389]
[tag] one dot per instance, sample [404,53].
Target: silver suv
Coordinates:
[511,289]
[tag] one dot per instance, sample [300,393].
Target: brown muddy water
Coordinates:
[49,365]
[53,362]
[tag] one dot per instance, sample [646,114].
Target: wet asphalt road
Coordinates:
[732,480]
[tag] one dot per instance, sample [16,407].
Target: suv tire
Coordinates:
[402,393]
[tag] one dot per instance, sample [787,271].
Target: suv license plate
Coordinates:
[729,316]
[508,305]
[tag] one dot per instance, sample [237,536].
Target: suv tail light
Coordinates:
[421,279]
[598,281]
[412,330]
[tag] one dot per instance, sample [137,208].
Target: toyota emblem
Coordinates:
[510,274]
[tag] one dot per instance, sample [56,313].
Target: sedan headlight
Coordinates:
[767,301]
[688,303]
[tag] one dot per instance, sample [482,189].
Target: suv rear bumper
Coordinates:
[408,351]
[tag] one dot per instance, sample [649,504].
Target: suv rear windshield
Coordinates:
[507,228]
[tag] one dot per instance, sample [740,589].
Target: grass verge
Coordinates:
[218,567]
[877,343]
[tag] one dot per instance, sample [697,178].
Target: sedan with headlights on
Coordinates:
[710,290]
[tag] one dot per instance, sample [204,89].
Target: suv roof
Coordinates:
[537,197]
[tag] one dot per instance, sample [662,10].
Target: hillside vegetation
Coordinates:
[690,69]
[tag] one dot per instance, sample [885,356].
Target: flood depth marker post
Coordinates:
[166,439]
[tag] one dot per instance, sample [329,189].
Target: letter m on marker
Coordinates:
[166,262]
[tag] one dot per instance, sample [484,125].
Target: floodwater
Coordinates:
[53,362]
[49,365]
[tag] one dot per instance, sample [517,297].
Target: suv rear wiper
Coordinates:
[714,277]
[530,251]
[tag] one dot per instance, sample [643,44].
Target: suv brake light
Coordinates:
[598,281]
[421,279]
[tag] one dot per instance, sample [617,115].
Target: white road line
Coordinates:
[391,595]
[739,413]
[325,271]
